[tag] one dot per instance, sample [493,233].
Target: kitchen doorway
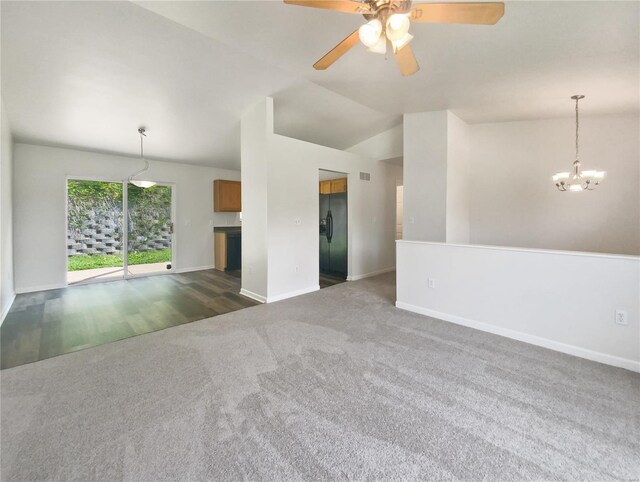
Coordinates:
[333,227]
[116,230]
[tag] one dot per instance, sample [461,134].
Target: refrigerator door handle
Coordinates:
[329,226]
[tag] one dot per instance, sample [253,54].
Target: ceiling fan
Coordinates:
[388,23]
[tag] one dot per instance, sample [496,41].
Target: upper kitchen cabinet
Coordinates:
[226,196]
[333,186]
[338,185]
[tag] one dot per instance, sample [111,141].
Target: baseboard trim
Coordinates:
[33,289]
[188,270]
[291,294]
[253,296]
[369,275]
[6,309]
[527,338]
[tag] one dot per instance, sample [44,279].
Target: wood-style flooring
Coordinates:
[326,281]
[49,323]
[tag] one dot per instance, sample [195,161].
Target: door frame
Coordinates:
[125,228]
[350,177]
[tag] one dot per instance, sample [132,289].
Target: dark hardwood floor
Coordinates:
[49,323]
[326,281]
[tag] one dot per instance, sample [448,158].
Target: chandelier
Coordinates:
[577,180]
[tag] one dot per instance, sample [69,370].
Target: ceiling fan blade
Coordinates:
[407,61]
[338,51]
[476,13]
[347,6]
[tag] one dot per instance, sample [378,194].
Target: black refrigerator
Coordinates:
[333,234]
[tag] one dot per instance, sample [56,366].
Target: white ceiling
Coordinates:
[88,74]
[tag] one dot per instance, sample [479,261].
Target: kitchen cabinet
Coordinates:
[333,186]
[338,185]
[227,196]
[325,187]
[227,249]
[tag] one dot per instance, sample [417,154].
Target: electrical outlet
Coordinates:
[432,283]
[296,269]
[621,317]
[297,221]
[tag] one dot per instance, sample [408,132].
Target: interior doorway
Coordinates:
[333,227]
[117,230]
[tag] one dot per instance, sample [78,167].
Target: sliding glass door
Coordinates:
[94,230]
[149,229]
[102,246]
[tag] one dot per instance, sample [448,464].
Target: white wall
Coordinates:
[292,249]
[425,175]
[384,146]
[458,181]
[563,301]
[6,218]
[255,127]
[40,205]
[514,203]
[399,198]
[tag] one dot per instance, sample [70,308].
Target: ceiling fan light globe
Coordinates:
[380,47]
[370,32]
[398,44]
[397,26]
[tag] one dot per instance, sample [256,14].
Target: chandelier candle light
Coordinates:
[137,182]
[577,180]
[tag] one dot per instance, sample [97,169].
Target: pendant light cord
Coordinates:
[577,125]
[142,133]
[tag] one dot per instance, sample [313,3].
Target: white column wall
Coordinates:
[7,292]
[291,218]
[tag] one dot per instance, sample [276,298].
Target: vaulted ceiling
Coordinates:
[87,74]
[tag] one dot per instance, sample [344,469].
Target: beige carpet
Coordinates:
[337,384]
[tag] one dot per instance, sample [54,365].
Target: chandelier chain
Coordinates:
[577,131]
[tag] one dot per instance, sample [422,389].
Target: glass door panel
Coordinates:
[94,231]
[150,229]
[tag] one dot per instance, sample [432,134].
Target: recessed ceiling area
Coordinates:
[88,74]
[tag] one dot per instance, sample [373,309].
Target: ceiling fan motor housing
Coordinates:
[384,8]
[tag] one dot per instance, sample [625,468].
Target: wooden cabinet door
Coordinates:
[227,196]
[325,187]
[338,185]
[220,250]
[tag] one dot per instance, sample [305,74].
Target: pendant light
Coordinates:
[136,182]
[577,180]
